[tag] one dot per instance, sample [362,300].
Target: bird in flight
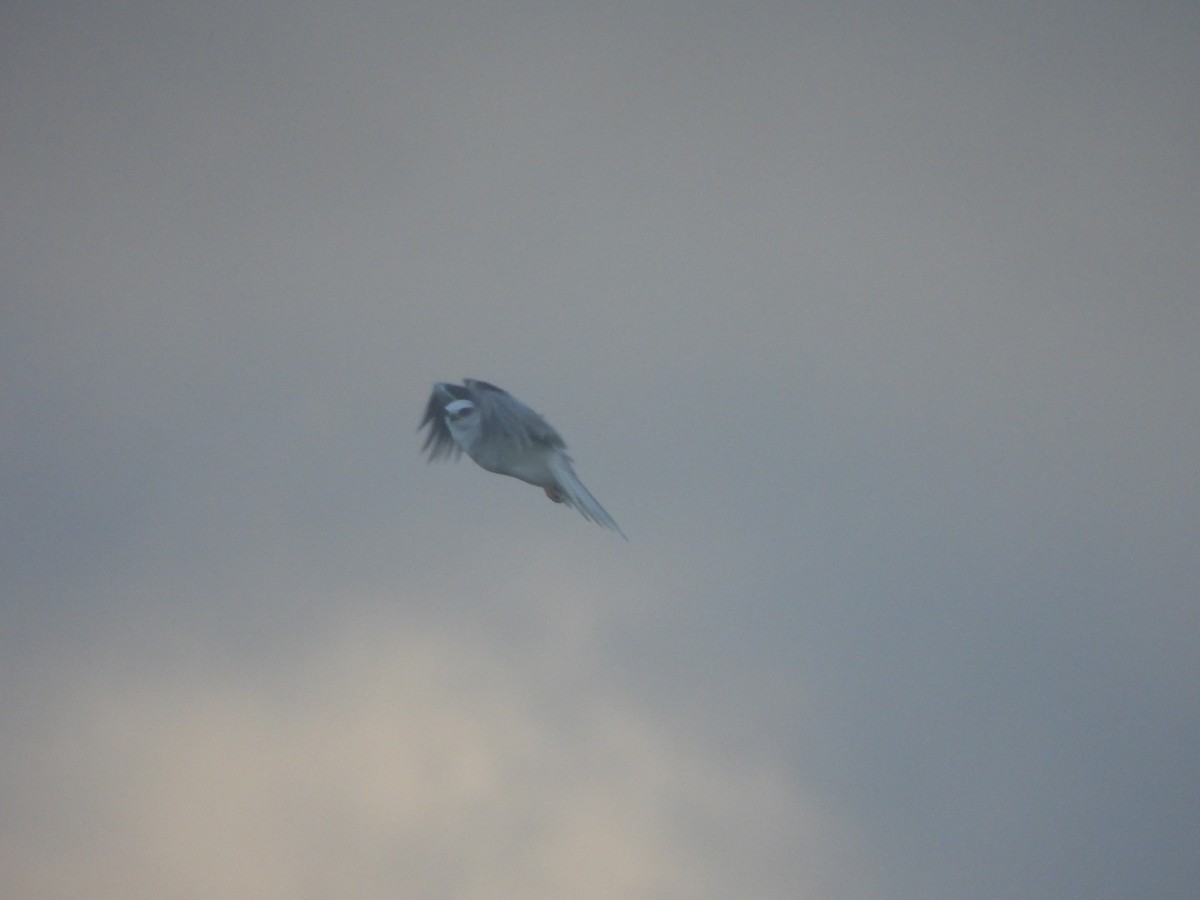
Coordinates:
[505,436]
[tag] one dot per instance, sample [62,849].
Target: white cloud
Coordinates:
[401,762]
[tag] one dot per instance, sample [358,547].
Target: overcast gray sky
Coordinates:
[874,325]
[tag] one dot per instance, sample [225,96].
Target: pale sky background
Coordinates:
[875,326]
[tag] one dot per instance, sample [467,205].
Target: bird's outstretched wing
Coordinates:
[506,418]
[439,442]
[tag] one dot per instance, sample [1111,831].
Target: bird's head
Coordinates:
[462,418]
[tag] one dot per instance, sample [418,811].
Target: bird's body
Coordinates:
[505,436]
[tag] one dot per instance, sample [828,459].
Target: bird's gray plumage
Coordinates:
[505,436]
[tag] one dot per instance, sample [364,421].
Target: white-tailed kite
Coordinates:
[505,436]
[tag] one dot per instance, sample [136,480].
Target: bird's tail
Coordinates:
[574,493]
